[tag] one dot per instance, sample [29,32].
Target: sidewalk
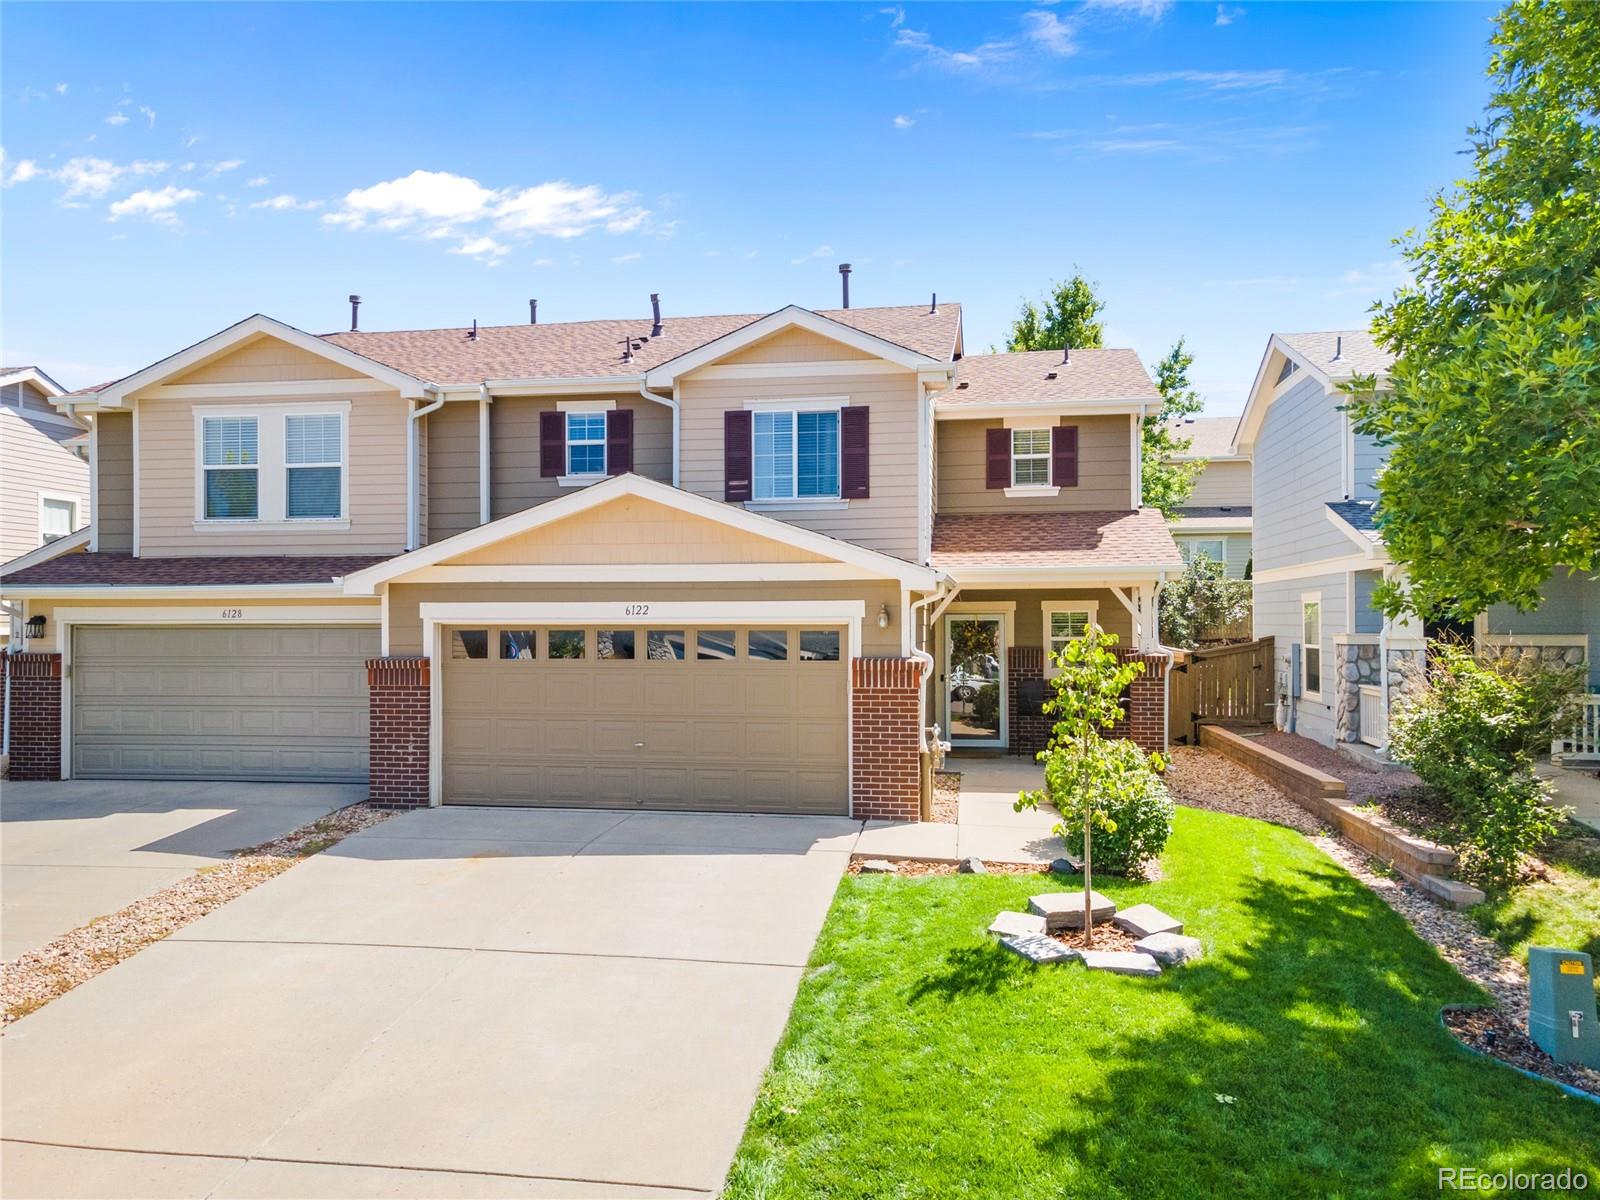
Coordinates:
[1577,789]
[986,825]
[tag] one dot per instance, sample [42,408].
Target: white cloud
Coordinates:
[61,89]
[1148,10]
[823,251]
[631,256]
[117,118]
[1050,33]
[485,249]
[87,177]
[422,197]
[24,170]
[156,205]
[896,15]
[259,181]
[1227,16]
[230,164]
[1375,278]
[150,115]
[286,203]
[1268,79]
[986,54]
[902,121]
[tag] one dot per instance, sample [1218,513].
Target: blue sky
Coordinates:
[1221,170]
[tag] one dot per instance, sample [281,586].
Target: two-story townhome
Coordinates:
[1215,521]
[1319,553]
[728,562]
[44,475]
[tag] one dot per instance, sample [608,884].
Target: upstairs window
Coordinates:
[796,454]
[58,517]
[313,455]
[586,443]
[232,489]
[1030,458]
[1192,548]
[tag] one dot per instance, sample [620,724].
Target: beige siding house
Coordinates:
[745,562]
[1217,520]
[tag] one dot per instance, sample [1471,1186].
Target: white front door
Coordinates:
[974,679]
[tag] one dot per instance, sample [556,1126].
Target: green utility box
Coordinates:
[1561,1012]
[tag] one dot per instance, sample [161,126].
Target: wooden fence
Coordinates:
[1224,685]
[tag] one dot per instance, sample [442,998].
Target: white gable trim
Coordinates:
[38,378]
[791,317]
[880,566]
[62,545]
[115,395]
[1373,548]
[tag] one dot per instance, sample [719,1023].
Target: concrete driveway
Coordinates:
[77,850]
[457,1002]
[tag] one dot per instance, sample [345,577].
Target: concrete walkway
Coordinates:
[986,824]
[77,850]
[1577,789]
[456,1002]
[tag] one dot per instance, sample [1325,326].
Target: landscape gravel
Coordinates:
[32,980]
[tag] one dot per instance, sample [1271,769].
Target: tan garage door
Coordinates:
[221,702]
[731,720]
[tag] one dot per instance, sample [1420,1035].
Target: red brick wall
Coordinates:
[885,755]
[1147,702]
[1030,730]
[398,721]
[35,715]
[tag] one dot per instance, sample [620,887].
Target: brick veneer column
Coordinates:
[1029,730]
[1147,702]
[398,721]
[35,715]
[884,738]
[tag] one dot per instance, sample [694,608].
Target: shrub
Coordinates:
[1471,730]
[1134,817]
[1203,598]
[986,708]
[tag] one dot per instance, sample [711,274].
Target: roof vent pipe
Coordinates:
[655,309]
[355,307]
[473,336]
[933,304]
[1066,356]
[533,312]
[1338,347]
[844,280]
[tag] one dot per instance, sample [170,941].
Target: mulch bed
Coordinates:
[921,866]
[1106,937]
[32,980]
[1364,785]
[1488,1031]
[946,796]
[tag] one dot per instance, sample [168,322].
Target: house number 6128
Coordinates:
[233,614]
[636,610]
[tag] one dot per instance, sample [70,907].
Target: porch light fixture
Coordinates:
[34,627]
[883,616]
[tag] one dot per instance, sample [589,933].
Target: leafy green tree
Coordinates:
[1167,484]
[1200,599]
[1085,769]
[1070,316]
[1491,411]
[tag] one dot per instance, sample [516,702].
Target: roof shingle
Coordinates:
[1040,377]
[114,569]
[1358,354]
[1061,539]
[1360,515]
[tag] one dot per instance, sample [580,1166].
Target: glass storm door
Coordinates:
[974,679]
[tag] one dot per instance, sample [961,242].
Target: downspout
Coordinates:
[673,405]
[943,593]
[413,468]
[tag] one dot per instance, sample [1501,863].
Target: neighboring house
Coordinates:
[725,562]
[44,479]
[1215,520]
[1319,553]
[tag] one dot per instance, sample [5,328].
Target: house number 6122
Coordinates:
[233,614]
[636,610]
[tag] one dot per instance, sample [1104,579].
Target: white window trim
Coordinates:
[1048,608]
[272,469]
[1032,489]
[569,477]
[1191,541]
[59,498]
[807,404]
[1307,691]
[342,464]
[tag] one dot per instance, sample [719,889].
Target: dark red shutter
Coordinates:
[552,444]
[1064,456]
[855,453]
[619,441]
[736,454]
[997,458]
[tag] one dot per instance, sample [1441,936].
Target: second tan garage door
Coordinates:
[729,720]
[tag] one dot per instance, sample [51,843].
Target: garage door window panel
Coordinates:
[614,644]
[665,645]
[231,453]
[567,643]
[519,645]
[769,645]
[819,645]
[469,643]
[716,645]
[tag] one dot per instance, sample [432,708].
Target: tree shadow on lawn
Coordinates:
[1303,1057]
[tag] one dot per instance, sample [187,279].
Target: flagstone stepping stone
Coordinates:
[1015,924]
[1041,949]
[1066,865]
[1170,949]
[1064,910]
[1121,962]
[878,866]
[971,866]
[1142,920]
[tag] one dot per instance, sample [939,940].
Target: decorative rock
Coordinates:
[1170,949]
[1064,910]
[878,866]
[1065,865]
[1015,924]
[971,866]
[1039,949]
[1144,919]
[1121,962]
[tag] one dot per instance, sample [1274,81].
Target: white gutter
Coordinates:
[413,468]
[483,456]
[676,414]
[925,659]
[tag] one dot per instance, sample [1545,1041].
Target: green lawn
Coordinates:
[1563,910]
[1302,1057]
